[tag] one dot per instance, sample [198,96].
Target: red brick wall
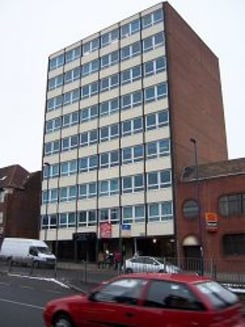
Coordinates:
[196,106]
[210,192]
[23,209]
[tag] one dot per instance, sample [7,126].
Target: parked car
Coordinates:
[149,264]
[149,299]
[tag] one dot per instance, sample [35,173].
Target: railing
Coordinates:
[90,273]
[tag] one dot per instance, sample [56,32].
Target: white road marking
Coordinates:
[22,304]
[41,278]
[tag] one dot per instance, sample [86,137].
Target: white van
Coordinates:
[27,251]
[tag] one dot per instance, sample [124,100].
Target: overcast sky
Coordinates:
[31,30]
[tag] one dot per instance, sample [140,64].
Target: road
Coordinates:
[22,300]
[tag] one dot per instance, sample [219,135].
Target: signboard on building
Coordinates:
[126,230]
[84,236]
[105,230]
[211,219]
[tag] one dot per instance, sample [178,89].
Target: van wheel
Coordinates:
[36,264]
[63,320]
[129,271]
[10,261]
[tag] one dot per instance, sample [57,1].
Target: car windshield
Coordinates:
[161,260]
[44,250]
[219,296]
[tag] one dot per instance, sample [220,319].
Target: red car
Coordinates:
[149,299]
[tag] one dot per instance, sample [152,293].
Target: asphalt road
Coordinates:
[22,300]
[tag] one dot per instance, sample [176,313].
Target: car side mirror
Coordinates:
[92,296]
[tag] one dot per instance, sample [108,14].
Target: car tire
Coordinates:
[129,271]
[63,320]
[161,271]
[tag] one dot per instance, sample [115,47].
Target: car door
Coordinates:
[150,265]
[172,304]
[116,304]
[137,264]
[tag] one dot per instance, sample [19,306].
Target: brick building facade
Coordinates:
[19,202]
[219,226]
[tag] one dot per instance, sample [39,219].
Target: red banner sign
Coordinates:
[105,230]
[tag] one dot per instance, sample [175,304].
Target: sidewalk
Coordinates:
[83,276]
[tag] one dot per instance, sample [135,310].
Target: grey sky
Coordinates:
[30,30]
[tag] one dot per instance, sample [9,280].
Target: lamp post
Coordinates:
[46,166]
[194,142]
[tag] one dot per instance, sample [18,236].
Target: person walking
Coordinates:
[101,259]
[117,260]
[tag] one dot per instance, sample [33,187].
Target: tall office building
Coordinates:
[121,108]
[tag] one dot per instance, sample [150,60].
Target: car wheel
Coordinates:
[63,321]
[129,271]
[161,271]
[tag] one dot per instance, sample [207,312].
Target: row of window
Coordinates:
[110,132]
[228,205]
[109,107]
[128,184]
[124,77]
[107,38]
[92,89]
[156,212]
[110,159]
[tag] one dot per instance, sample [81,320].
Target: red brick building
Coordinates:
[219,226]
[19,202]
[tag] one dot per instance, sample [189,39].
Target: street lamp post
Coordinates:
[194,142]
[46,165]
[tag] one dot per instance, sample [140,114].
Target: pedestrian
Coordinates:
[117,260]
[101,259]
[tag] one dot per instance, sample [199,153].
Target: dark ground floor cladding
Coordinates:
[158,246]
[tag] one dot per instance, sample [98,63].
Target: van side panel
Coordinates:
[18,249]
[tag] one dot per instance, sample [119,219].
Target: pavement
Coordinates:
[82,276]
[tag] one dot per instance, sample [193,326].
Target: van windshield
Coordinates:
[44,250]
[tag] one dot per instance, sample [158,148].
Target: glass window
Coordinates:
[125,291]
[138,183]
[154,212]
[139,213]
[171,295]
[232,204]
[82,218]
[218,295]
[104,188]
[92,189]
[92,218]
[127,184]
[126,155]
[127,215]
[234,244]
[83,191]
[138,152]
[56,62]
[152,180]
[166,210]
[190,209]
[71,219]
[165,178]
[151,149]
[114,215]
[114,186]
[73,54]
[83,164]
[114,158]
[104,160]
[93,162]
